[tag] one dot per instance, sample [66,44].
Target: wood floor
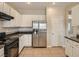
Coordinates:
[43,52]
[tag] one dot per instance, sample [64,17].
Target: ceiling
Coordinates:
[25,8]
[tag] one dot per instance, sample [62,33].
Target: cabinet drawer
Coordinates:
[75,43]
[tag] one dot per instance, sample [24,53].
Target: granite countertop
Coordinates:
[15,35]
[1,46]
[73,39]
[21,32]
[18,34]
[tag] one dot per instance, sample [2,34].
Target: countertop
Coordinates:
[18,34]
[21,32]
[73,39]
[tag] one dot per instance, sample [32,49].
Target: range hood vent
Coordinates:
[4,17]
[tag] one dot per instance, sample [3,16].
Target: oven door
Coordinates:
[12,50]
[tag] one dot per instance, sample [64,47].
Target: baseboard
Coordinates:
[58,46]
[54,46]
[39,47]
[27,46]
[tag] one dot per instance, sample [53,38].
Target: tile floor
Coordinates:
[43,52]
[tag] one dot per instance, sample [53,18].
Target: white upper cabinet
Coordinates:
[19,20]
[27,19]
[17,16]
[75,15]
[6,8]
[1,7]
[10,11]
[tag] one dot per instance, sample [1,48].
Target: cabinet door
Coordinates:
[10,23]
[75,15]
[75,51]
[25,38]
[13,22]
[20,44]
[6,9]
[29,40]
[26,21]
[68,48]
[1,6]
[17,19]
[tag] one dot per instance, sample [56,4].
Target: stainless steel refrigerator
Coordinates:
[39,34]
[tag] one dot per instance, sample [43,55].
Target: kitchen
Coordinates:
[26,29]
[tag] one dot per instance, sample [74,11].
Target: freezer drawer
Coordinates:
[42,39]
[35,40]
[39,39]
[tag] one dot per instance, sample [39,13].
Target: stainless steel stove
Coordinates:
[11,45]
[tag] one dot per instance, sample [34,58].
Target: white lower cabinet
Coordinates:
[25,40]
[72,48]
[68,48]
[76,51]
[20,44]
[2,52]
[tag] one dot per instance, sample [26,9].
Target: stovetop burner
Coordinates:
[8,40]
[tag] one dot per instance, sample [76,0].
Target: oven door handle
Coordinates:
[12,44]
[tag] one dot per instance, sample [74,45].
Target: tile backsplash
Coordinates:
[75,30]
[7,30]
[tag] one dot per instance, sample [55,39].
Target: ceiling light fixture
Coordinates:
[28,3]
[53,3]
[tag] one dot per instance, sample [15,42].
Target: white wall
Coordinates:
[55,30]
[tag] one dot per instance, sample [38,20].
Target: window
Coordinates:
[69,26]
[69,22]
